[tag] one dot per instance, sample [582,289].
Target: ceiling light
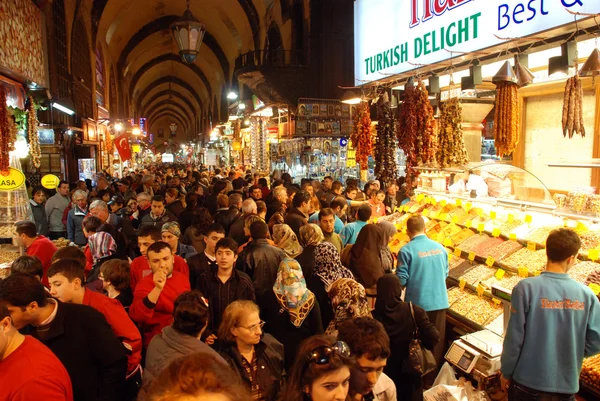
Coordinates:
[118,127]
[350,97]
[559,65]
[591,68]
[188,33]
[233,118]
[524,75]
[63,108]
[173,127]
[136,131]
[232,95]
[242,106]
[505,74]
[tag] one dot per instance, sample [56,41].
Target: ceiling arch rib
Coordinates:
[170,68]
[174,113]
[167,79]
[173,58]
[253,20]
[164,23]
[167,102]
[169,93]
[171,117]
[169,87]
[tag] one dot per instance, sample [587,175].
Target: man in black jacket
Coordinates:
[298,214]
[211,200]
[227,217]
[158,215]
[236,231]
[259,259]
[204,261]
[77,334]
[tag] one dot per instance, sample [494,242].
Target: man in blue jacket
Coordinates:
[423,271]
[554,324]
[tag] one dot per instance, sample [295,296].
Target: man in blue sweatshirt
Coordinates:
[554,324]
[423,271]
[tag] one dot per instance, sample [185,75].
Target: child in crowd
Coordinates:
[101,245]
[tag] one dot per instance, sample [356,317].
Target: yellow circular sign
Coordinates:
[50,181]
[11,179]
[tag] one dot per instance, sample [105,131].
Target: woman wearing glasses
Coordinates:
[257,358]
[321,371]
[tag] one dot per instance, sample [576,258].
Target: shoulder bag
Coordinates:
[420,360]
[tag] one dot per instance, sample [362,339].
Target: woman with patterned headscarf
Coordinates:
[328,269]
[290,310]
[310,236]
[285,239]
[348,300]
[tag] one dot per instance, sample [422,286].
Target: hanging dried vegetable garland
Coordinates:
[572,115]
[416,130]
[506,132]
[7,132]
[32,135]
[361,137]
[385,146]
[451,145]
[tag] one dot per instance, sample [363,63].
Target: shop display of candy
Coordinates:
[477,273]
[480,220]
[577,199]
[589,240]
[459,270]
[593,278]
[7,231]
[472,242]
[464,303]
[590,372]
[539,235]
[451,230]
[454,261]
[594,204]
[509,227]
[484,312]
[504,249]
[508,281]
[454,294]
[582,270]
[533,260]
[484,248]
[560,200]
[8,256]
[462,236]
[61,242]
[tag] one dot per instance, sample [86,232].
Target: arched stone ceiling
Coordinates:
[171,68]
[168,94]
[173,113]
[166,86]
[168,79]
[172,103]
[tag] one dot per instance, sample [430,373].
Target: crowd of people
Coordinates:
[179,283]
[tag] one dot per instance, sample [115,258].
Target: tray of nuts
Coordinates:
[477,273]
[593,278]
[483,249]
[589,240]
[465,303]
[582,270]
[504,249]
[533,260]
[539,235]
[509,227]
[454,294]
[508,281]
[484,311]
[471,242]
[462,235]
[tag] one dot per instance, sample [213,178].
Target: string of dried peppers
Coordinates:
[451,144]
[32,134]
[361,137]
[7,132]
[385,146]
[416,130]
[506,132]
[572,114]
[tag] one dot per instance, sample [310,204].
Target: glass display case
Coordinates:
[14,206]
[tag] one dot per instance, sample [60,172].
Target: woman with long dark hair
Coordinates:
[321,371]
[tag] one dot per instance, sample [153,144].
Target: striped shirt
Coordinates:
[252,370]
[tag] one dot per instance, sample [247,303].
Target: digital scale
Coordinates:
[479,353]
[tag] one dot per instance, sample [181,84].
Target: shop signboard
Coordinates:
[392,37]
[11,179]
[50,181]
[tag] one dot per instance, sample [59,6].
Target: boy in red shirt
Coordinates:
[154,296]
[66,284]
[36,245]
[148,235]
[29,370]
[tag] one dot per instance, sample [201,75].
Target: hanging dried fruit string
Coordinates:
[416,130]
[506,132]
[361,136]
[7,132]
[451,145]
[385,146]
[34,140]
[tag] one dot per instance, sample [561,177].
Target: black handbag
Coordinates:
[420,360]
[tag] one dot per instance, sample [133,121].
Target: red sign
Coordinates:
[122,145]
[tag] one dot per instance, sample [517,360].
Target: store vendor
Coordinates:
[467,182]
[35,245]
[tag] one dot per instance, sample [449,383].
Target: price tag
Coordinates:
[433,202]
[531,246]
[497,301]
[468,206]
[462,283]
[398,209]
[406,208]
[459,202]
[496,232]
[490,261]
[499,274]
[511,218]
[528,219]
[581,226]
[435,236]
[469,223]
[434,215]
[455,219]
[536,273]
[472,256]
[448,242]
[593,254]
[399,227]
[443,216]
[512,236]
[493,215]
[449,256]
[425,213]
[457,252]
[420,197]
[523,272]
[480,227]
[595,288]
[375,220]
[480,289]
[443,202]
[403,229]
[479,212]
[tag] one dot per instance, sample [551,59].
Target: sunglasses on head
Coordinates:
[322,355]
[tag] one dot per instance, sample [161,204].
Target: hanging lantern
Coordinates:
[188,33]
[505,74]
[523,74]
[173,127]
[591,67]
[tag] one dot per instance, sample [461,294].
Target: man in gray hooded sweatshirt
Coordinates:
[190,318]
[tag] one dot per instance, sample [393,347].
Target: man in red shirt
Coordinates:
[36,245]
[29,370]
[154,296]
[66,278]
[148,235]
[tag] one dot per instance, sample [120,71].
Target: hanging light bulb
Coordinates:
[21,147]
